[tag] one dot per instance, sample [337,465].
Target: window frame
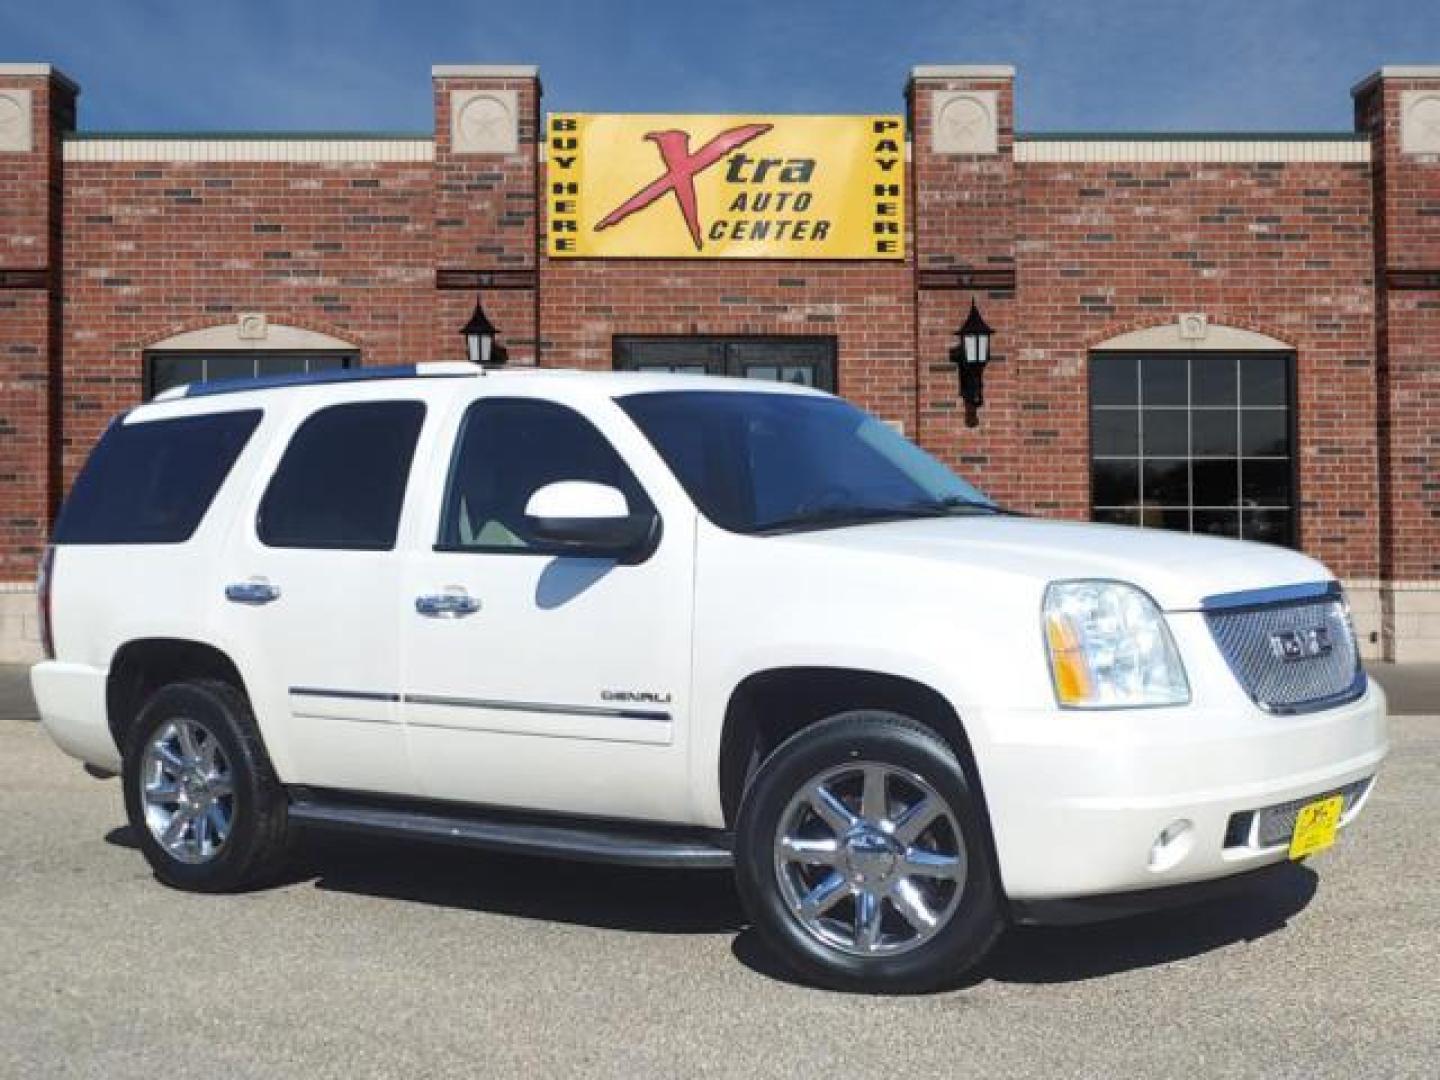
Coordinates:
[1292,426]
[350,359]
[257,521]
[827,369]
[442,517]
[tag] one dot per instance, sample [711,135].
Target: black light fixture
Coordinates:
[479,334]
[970,356]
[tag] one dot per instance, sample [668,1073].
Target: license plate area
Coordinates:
[1273,826]
[1316,826]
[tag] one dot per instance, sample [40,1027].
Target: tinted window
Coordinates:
[509,448]
[341,483]
[757,462]
[151,482]
[164,370]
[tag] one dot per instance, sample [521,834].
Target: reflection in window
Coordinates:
[1198,442]
[166,370]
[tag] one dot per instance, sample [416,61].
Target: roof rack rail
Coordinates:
[437,369]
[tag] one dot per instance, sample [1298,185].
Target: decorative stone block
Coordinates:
[16,129]
[966,122]
[484,122]
[1420,122]
[252,326]
[1194,326]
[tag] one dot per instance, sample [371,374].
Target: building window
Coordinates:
[1199,442]
[166,369]
[807,361]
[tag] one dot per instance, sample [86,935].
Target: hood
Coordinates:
[1177,569]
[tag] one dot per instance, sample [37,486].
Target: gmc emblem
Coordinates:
[1301,644]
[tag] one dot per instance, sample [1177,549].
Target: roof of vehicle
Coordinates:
[334,384]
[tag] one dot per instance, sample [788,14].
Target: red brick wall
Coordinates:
[157,248]
[1101,249]
[1407,209]
[30,377]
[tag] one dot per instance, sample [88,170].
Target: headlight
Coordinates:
[1110,648]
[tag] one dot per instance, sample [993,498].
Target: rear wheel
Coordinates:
[863,859]
[200,794]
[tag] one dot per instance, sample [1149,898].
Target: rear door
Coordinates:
[312,589]
[545,680]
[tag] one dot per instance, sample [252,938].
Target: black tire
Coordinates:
[258,843]
[898,742]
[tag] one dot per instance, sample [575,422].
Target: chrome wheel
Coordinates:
[186,791]
[870,859]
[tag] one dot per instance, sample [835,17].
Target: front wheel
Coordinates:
[863,859]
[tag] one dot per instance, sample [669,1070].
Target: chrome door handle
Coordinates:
[451,604]
[255,591]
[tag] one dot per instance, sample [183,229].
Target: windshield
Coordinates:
[763,462]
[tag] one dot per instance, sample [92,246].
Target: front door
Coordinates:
[807,361]
[535,679]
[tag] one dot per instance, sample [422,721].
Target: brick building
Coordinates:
[1225,333]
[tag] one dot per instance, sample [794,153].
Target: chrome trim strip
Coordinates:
[535,707]
[483,703]
[350,695]
[1280,594]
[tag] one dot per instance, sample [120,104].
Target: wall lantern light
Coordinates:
[479,334]
[970,356]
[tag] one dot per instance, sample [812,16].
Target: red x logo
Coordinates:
[681,168]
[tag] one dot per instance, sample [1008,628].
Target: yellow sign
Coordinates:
[1315,826]
[727,187]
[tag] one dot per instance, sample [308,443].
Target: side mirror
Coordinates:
[587,519]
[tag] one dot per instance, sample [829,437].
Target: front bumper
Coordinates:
[1079,803]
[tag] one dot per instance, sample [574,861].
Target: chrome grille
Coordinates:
[1293,648]
[1278,822]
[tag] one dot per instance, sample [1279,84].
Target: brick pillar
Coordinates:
[486,204]
[963,188]
[1400,108]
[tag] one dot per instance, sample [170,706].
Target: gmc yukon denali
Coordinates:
[679,621]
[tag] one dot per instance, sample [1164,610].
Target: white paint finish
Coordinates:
[951,603]
[962,71]
[964,122]
[484,71]
[219,149]
[554,632]
[250,330]
[17,130]
[577,499]
[1420,121]
[484,121]
[1173,335]
[1198,151]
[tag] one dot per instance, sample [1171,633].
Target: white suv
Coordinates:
[684,622]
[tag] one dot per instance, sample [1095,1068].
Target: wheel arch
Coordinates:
[143,665]
[769,706]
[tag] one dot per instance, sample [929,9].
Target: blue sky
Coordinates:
[364,64]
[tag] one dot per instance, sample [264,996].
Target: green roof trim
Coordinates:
[1191,136]
[250,136]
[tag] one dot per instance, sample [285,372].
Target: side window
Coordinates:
[341,483]
[507,450]
[152,482]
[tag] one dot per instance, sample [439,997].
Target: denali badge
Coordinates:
[1301,644]
[636,697]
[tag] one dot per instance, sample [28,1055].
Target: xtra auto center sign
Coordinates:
[732,187]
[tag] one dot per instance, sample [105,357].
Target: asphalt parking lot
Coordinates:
[377,959]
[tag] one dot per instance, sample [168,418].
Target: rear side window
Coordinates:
[341,483]
[152,482]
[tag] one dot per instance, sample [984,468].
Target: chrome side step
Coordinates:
[624,843]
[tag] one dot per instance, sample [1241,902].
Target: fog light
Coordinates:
[1172,845]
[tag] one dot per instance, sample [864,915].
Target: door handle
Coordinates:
[450,604]
[254,591]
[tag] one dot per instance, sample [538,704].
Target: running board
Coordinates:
[578,839]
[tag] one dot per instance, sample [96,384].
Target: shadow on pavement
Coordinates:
[705,902]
